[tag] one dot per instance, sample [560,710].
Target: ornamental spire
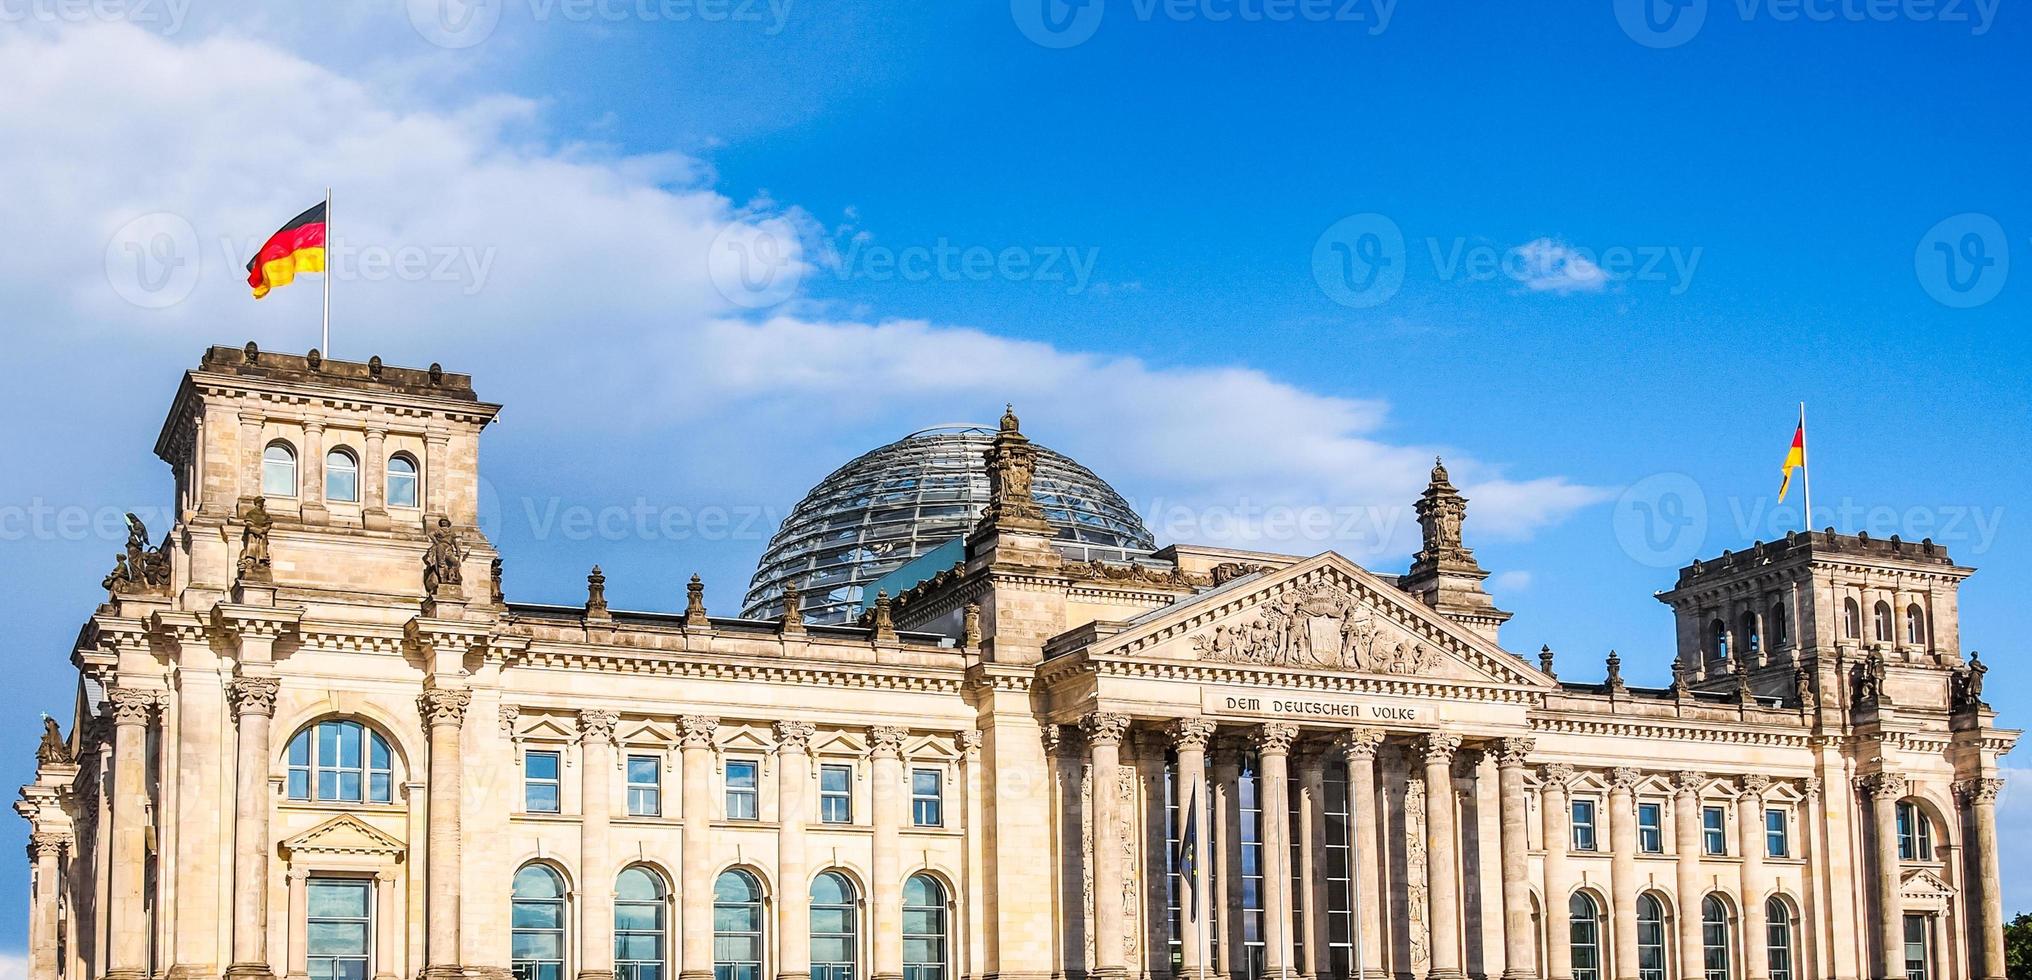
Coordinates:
[1012,462]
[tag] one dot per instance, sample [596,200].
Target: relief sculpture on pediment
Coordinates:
[1316,625]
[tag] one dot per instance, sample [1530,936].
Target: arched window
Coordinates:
[641,943]
[1650,938]
[1714,938]
[1718,636]
[1585,934]
[1852,619]
[1915,833]
[835,927]
[1778,938]
[1880,618]
[924,929]
[342,477]
[340,761]
[1781,631]
[401,481]
[536,920]
[278,470]
[1915,625]
[737,927]
[1752,642]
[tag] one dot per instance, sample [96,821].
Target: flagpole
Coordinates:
[327,335]
[1805,470]
[1202,899]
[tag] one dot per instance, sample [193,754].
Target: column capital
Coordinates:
[132,705]
[1883,785]
[1053,738]
[1624,779]
[888,740]
[698,731]
[1357,744]
[1978,791]
[1105,727]
[970,741]
[1276,738]
[48,843]
[1810,787]
[1511,753]
[794,736]
[1755,785]
[1438,748]
[1558,774]
[597,724]
[1689,782]
[444,706]
[1192,733]
[254,695]
[507,714]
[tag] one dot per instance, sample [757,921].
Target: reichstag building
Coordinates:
[970,724]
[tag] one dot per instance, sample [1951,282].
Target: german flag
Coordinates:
[1795,458]
[298,247]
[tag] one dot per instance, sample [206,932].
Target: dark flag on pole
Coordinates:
[1188,858]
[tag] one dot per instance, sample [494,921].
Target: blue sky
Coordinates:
[1622,266]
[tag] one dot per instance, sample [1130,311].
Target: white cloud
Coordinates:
[13,966]
[1549,266]
[573,278]
[1514,580]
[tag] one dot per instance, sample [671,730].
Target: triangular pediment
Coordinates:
[1323,614]
[344,834]
[1921,886]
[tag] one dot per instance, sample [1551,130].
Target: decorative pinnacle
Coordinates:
[695,604]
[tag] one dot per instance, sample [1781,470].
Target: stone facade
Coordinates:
[313,739]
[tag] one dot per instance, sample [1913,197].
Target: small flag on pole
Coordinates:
[298,247]
[1188,858]
[1795,458]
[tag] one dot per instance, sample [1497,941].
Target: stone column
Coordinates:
[201,827]
[444,716]
[1273,749]
[695,890]
[1189,737]
[299,923]
[1885,789]
[251,448]
[1312,872]
[1226,841]
[253,706]
[1442,858]
[312,473]
[1750,834]
[46,847]
[437,446]
[793,903]
[1623,869]
[887,867]
[1979,796]
[126,909]
[1556,814]
[1358,747]
[1520,945]
[596,871]
[1686,845]
[1104,732]
[374,480]
[386,923]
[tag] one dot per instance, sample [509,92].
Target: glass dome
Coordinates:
[897,502]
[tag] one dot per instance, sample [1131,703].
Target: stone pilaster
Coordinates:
[1312,871]
[253,708]
[126,909]
[1623,869]
[887,867]
[793,906]
[201,829]
[46,849]
[1884,790]
[1520,938]
[1979,797]
[1189,738]
[1358,748]
[1750,833]
[1104,732]
[444,717]
[596,870]
[1226,840]
[1556,814]
[1442,855]
[1686,845]
[1273,750]
[695,890]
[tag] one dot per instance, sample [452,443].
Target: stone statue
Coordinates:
[53,750]
[1802,688]
[255,564]
[1967,684]
[441,561]
[1012,463]
[1441,511]
[970,626]
[139,568]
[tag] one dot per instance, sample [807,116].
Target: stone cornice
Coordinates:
[1207,672]
[622,660]
[1624,727]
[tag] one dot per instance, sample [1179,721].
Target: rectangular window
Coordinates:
[1777,842]
[1583,825]
[1918,962]
[339,920]
[835,794]
[927,800]
[1651,828]
[645,786]
[741,783]
[1714,836]
[539,782]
